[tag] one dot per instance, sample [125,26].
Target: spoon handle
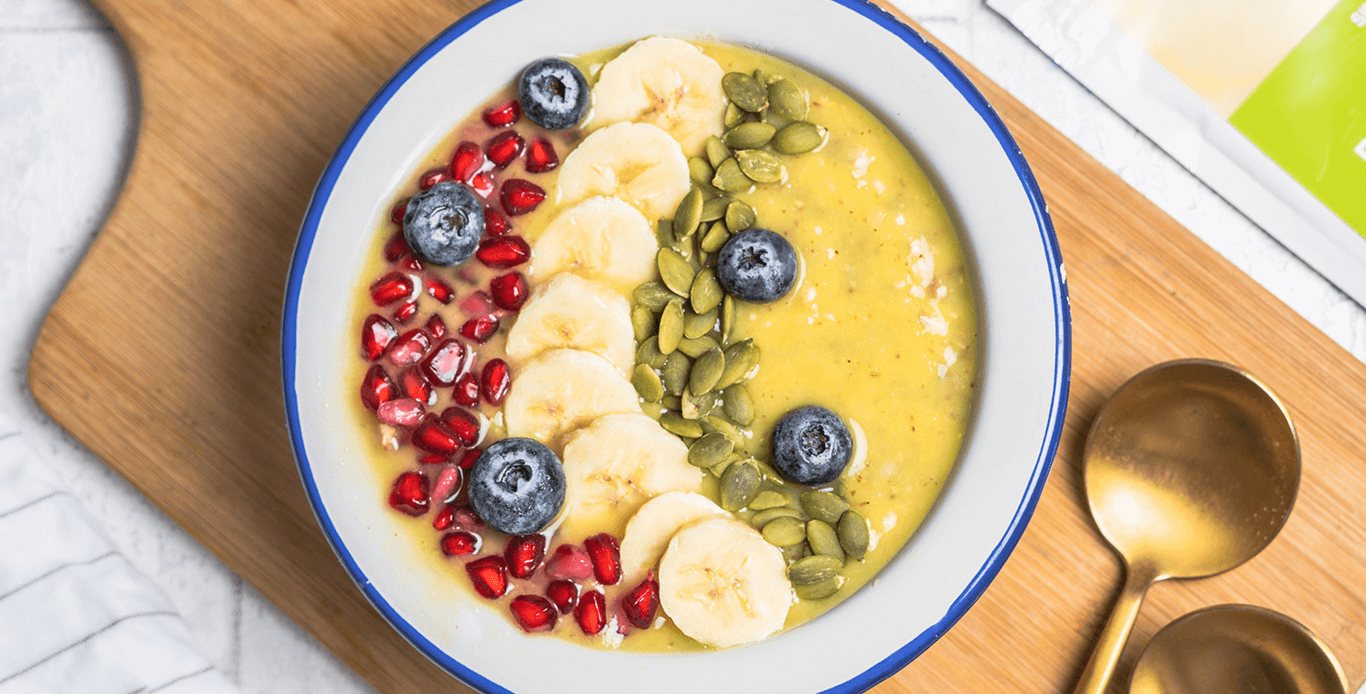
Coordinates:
[1101,667]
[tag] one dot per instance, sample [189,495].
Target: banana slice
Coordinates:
[654,524]
[668,82]
[602,239]
[614,465]
[562,390]
[636,162]
[570,311]
[723,584]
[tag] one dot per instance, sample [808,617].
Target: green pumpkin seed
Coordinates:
[674,373]
[700,171]
[853,534]
[727,317]
[717,152]
[720,468]
[730,178]
[672,402]
[706,292]
[709,449]
[816,591]
[676,425]
[715,238]
[749,135]
[647,383]
[696,346]
[664,232]
[737,404]
[671,326]
[823,540]
[712,424]
[715,208]
[766,516]
[706,370]
[759,166]
[734,115]
[813,569]
[689,214]
[798,138]
[740,360]
[769,117]
[744,91]
[784,531]
[787,99]
[768,499]
[740,216]
[642,322]
[761,77]
[842,489]
[697,406]
[675,270]
[653,295]
[699,324]
[824,506]
[739,484]
[648,353]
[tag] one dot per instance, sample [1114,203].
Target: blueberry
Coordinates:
[443,223]
[517,486]
[554,94]
[811,446]
[757,265]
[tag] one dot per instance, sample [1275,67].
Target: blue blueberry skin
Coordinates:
[757,265]
[517,486]
[811,446]
[554,94]
[443,224]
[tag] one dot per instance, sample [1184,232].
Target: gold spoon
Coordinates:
[1236,648]
[1191,469]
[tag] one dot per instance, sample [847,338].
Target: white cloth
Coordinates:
[75,616]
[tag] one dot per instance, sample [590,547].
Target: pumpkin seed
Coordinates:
[797,138]
[734,114]
[751,135]
[709,449]
[653,295]
[699,324]
[672,402]
[647,383]
[675,270]
[715,208]
[689,213]
[824,506]
[770,117]
[853,534]
[674,373]
[740,359]
[739,484]
[740,216]
[706,292]
[761,77]
[842,489]
[816,591]
[695,346]
[784,531]
[823,540]
[727,316]
[671,326]
[813,569]
[711,423]
[759,166]
[744,91]
[664,232]
[717,152]
[675,424]
[648,353]
[715,238]
[700,171]
[642,322]
[729,177]
[738,405]
[768,499]
[697,406]
[706,370]
[787,99]
[768,515]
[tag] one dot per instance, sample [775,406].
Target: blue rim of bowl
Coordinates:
[1061,372]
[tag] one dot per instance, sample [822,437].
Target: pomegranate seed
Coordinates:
[413,385]
[433,459]
[639,604]
[569,562]
[605,554]
[466,518]
[467,390]
[409,347]
[509,291]
[409,494]
[489,575]
[503,252]
[495,224]
[433,437]
[541,157]
[468,459]
[447,362]
[377,388]
[465,425]
[405,312]
[448,483]
[524,554]
[445,518]
[410,262]
[434,177]
[478,304]
[520,196]
[504,115]
[392,287]
[534,613]
[436,326]
[480,329]
[503,149]
[482,183]
[439,290]
[397,212]
[376,334]
[403,412]
[459,544]
[564,594]
[591,614]
[495,382]
[467,161]
[397,246]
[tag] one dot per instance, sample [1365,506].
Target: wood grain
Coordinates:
[162,354]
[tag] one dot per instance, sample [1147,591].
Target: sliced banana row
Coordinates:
[667,82]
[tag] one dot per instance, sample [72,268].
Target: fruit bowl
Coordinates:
[1023,364]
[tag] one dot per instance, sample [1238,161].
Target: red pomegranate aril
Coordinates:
[402,412]
[410,494]
[495,224]
[392,287]
[397,212]
[410,262]
[524,554]
[433,437]
[478,304]
[460,544]
[509,291]
[468,459]
[489,575]
[436,327]
[464,424]
[569,562]
[480,329]
[503,115]
[466,518]
[534,613]
[482,183]
[376,334]
[503,149]
[439,290]
[520,196]
[495,382]
[605,554]
[503,252]
[433,459]
[466,390]
[541,157]
[445,518]
[448,483]
[397,246]
[412,384]
[565,594]
[466,161]
[591,613]
[377,388]
[434,177]
[409,348]
[639,603]
[405,312]
[447,362]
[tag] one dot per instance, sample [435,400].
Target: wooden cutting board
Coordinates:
[162,354]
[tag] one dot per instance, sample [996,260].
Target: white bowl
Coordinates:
[1024,337]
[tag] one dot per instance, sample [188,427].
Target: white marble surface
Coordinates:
[67,113]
